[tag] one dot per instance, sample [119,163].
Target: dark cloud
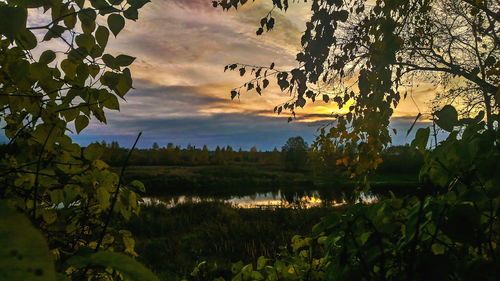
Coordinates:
[191,95]
[237,130]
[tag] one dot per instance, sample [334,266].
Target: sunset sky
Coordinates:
[181,92]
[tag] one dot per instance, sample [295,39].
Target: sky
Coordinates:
[181,92]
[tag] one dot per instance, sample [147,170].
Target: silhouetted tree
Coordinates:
[294,153]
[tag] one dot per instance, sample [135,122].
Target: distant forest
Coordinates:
[396,159]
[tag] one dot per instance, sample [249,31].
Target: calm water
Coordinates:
[269,200]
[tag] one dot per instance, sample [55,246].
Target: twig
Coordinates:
[115,196]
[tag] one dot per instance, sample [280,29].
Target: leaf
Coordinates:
[103,197]
[138,186]
[49,216]
[110,61]
[438,249]
[421,138]
[343,15]
[102,36]
[447,118]
[124,60]
[116,23]
[326,98]
[124,83]
[261,262]
[131,13]
[111,102]
[47,57]
[26,39]
[12,20]
[69,68]
[24,254]
[93,151]
[265,83]
[300,102]
[137,3]
[130,268]
[54,32]
[81,123]
[87,17]
[86,41]
[70,18]
[233,94]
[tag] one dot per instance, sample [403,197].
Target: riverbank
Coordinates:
[245,179]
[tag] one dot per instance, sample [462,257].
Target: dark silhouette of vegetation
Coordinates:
[58,199]
[295,153]
[446,231]
[214,232]
[60,202]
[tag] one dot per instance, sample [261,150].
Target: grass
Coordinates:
[172,241]
[215,180]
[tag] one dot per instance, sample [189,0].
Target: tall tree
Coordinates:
[386,48]
[294,153]
[370,54]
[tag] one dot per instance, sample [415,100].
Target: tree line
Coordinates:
[294,155]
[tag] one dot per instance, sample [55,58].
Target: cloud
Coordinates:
[237,130]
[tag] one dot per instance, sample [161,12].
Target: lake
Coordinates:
[268,200]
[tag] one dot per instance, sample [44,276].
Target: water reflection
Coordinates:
[268,200]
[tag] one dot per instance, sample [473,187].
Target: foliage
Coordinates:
[295,152]
[172,241]
[366,57]
[450,231]
[66,191]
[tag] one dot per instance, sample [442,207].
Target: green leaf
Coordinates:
[93,151]
[261,262]
[421,138]
[110,61]
[124,60]
[137,3]
[103,197]
[109,79]
[102,35]
[138,186]
[131,13]
[124,83]
[87,18]
[438,249]
[81,123]
[86,41]
[12,20]
[49,216]
[24,254]
[69,68]
[447,118]
[70,18]
[111,102]
[54,32]
[130,268]
[116,23]
[364,237]
[94,70]
[26,39]
[47,57]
